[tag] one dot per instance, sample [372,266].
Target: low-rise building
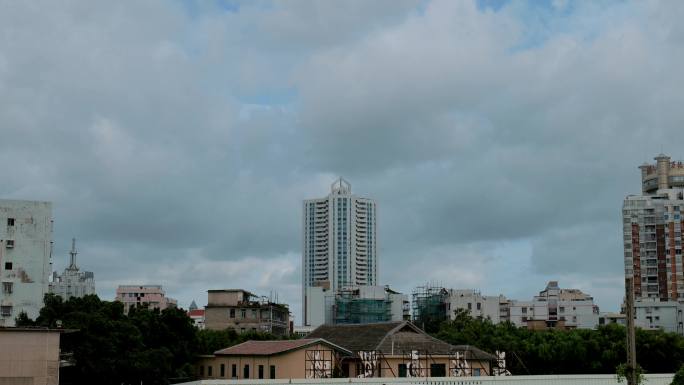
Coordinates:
[243,311]
[387,349]
[612,318]
[556,308]
[29,356]
[400,349]
[152,296]
[73,282]
[303,358]
[494,308]
[652,314]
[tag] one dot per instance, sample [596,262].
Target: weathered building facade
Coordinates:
[152,296]
[243,311]
[25,257]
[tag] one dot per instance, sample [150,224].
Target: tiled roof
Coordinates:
[267,348]
[197,312]
[393,338]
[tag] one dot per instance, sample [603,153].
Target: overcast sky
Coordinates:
[177,139]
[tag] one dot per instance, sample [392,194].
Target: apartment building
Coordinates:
[652,229]
[339,242]
[494,308]
[25,257]
[151,296]
[73,282]
[243,311]
[555,308]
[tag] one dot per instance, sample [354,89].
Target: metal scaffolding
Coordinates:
[429,305]
[350,309]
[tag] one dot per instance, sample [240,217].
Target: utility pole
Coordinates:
[631,338]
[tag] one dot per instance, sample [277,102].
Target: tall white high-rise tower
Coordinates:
[340,242]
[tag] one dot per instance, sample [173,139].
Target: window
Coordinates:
[8,265]
[10,221]
[209,374]
[7,287]
[223,370]
[261,371]
[254,313]
[272,370]
[524,310]
[437,370]
[245,372]
[233,371]
[561,309]
[243,313]
[470,306]
[476,372]
[232,313]
[479,306]
[9,243]
[402,370]
[201,372]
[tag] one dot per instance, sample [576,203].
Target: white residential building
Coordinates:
[25,257]
[480,306]
[339,242]
[556,307]
[73,282]
[652,314]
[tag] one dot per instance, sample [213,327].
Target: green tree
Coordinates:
[678,377]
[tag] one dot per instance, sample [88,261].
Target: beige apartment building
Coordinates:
[243,312]
[29,356]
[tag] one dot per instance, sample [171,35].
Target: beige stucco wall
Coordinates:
[29,354]
[287,365]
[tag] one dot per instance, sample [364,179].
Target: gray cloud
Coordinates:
[178,140]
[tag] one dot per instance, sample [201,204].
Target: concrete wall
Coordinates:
[27,247]
[594,379]
[30,355]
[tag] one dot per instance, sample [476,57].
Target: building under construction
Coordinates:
[429,306]
[351,308]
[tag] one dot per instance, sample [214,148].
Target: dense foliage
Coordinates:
[579,351]
[679,377]
[109,347]
[143,347]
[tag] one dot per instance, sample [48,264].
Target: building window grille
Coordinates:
[10,221]
[9,243]
[5,311]
[8,265]
[232,313]
[7,287]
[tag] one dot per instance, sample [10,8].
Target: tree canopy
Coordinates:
[576,351]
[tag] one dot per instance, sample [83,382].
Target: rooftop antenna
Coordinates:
[72,253]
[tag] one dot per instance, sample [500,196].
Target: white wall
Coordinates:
[30,256]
